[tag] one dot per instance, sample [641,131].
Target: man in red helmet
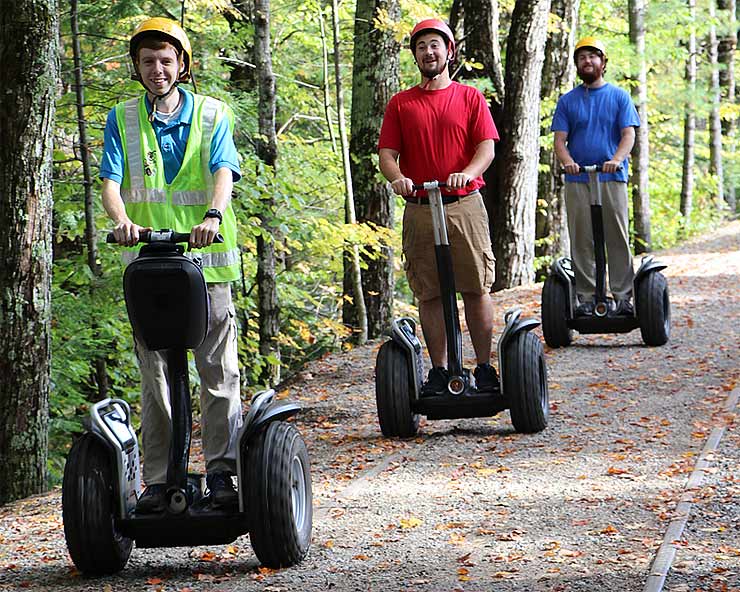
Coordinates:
[442,130]
[169,161]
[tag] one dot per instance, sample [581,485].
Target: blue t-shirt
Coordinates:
[172,138]
[594,119]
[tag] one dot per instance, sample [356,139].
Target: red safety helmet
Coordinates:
[433,26]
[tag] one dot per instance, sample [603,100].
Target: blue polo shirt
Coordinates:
[594,118]
[172,138]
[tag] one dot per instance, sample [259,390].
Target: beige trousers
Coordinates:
[616,238]
[221,411]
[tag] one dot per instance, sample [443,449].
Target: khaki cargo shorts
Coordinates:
[470,247]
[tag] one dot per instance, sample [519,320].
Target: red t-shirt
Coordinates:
[436,132]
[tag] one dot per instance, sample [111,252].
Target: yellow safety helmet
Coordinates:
[592,42]
[166,30]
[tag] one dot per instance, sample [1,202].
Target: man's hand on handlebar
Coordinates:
[572,168]
[203,234]
[127,233]
[611,166]
[403,186]
[458,180]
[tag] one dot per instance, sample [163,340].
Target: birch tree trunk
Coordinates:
[374,82]
[689,123]
[640,153]
[349,200]
[558,76]
[514,196]
[101,373]
[266,149]
[29,58]
[715,127]
[726,57]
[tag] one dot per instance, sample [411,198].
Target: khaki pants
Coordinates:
[221,417]
[616,238]
[470,248]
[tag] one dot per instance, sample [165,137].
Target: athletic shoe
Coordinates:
[436,382]
[221,487]
[486,378]
[624,308]
[585,309]
[152,501]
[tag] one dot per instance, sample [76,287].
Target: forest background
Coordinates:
[308,81]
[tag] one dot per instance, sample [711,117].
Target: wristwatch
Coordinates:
[214,213]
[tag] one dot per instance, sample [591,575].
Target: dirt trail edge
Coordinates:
[470,505]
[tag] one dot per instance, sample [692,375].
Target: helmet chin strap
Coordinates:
[157,98]
[437,75]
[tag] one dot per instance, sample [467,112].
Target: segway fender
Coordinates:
[403,332]
[648,265]
[277,412]
[110,422]
[514,325]
[562,270]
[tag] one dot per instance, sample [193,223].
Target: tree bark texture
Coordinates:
[350,217]
[513,195]
[715,127]
[640,153]
[482,44]
[726,57]
[29,58]
[558,75]
[689,124]
[374,82]
[266,149]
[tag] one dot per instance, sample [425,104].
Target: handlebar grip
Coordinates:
[165,236]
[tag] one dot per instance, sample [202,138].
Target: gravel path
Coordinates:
[469,504]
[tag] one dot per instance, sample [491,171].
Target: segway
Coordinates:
[167,304]
[652,310]
[399,369]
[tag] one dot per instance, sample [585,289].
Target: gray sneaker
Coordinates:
[152,501]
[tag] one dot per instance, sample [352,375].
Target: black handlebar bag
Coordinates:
[166,298]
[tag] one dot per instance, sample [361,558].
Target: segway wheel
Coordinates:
[393,389]
[88,506]
[555,313]
[279,498]
[654,309]
[525,383]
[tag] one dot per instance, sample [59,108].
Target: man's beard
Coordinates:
[592,76]
[433,72]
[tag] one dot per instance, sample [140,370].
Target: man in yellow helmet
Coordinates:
[595,124]
[169,161]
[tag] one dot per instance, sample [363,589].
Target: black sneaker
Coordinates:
[436,382]
[152,501]
[585,309]
[624,308]
[486,378]
[221,487]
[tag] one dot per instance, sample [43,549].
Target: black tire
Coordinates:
[525,383]
[555,313]
[94,544]
[654,309]
[279,498]
[393,389]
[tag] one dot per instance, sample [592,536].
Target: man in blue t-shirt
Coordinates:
[595,124]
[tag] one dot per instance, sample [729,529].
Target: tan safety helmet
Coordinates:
[593,43]
[166,30]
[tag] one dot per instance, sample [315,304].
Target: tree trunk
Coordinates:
[266,149]
[29,58]
[558,76]
[641,156]
[374,82]
[513,192]
[689,125]
[100,366]
[360,331]
[726,57]
[715,127]
[482,44]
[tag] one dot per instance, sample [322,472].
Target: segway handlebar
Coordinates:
[429,185]
[589,168]
[163,236]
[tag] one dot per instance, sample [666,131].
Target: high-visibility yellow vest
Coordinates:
[180,205]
